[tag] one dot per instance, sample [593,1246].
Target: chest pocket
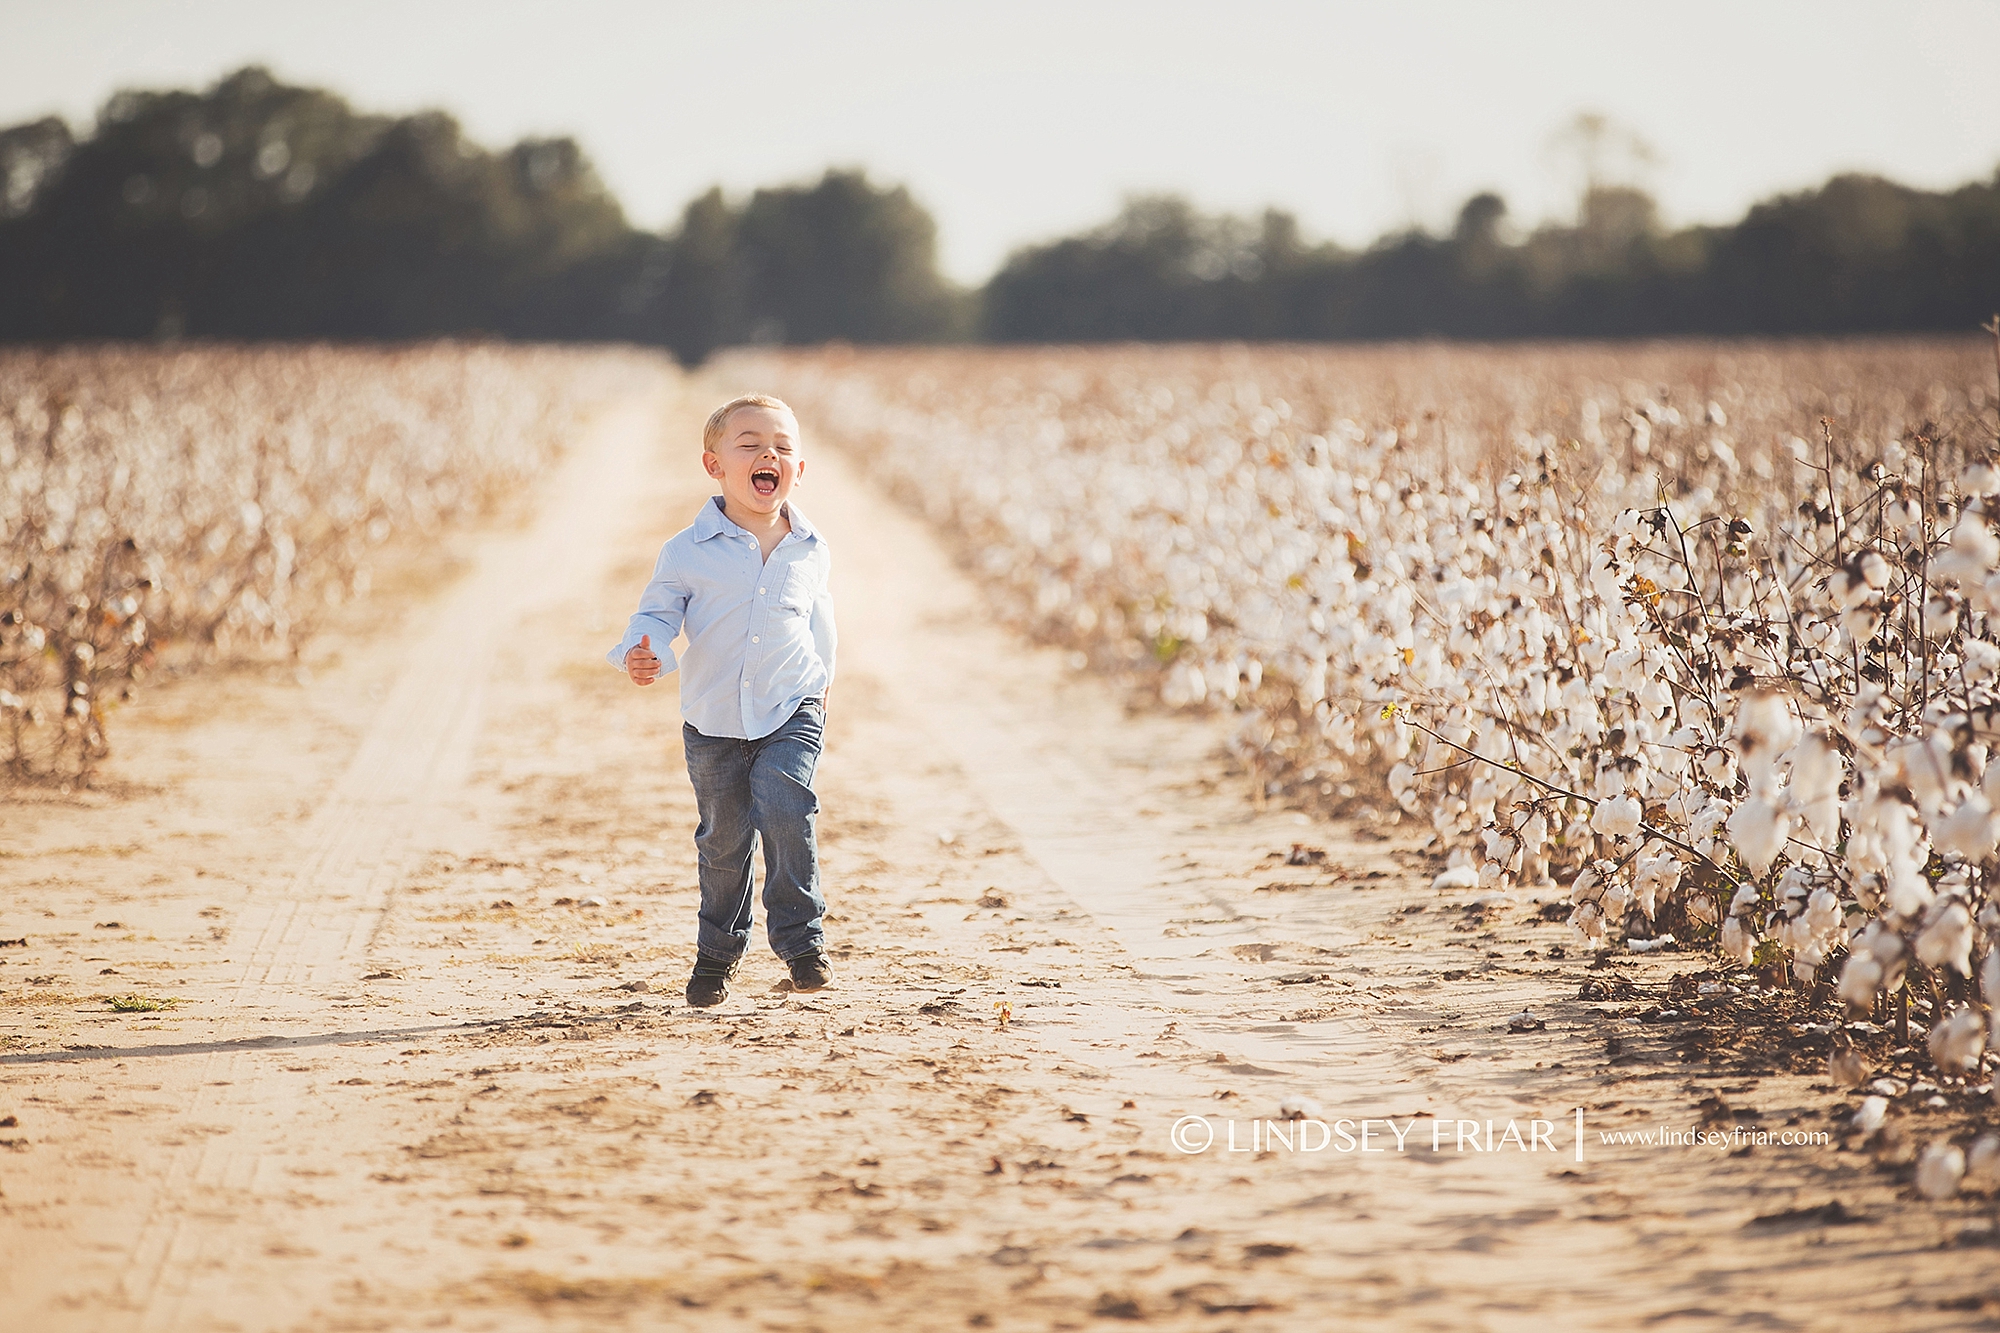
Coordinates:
[795,598]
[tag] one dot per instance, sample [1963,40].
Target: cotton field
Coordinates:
[201,502]
[1705,634]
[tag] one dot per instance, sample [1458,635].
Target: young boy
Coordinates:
[748,581]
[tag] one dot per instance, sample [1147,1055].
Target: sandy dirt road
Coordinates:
[425,911]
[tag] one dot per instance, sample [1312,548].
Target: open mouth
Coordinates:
[764,481]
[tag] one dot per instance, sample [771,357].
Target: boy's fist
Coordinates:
[642,664]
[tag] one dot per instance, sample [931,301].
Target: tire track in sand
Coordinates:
[1101,805]
[313,929]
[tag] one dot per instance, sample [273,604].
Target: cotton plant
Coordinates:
[218,501]
[1661,655]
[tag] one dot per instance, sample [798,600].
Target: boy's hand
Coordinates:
[642,664]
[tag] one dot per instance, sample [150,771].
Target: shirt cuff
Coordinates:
[669,662]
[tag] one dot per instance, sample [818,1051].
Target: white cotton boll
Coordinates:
[1821,819]
[1766,728]
[1610,783]
[1618,817]
[1874,1110]
[1860,981]
[1956,1042]
[1939,1170]
[1849,590]
[1982,1164]
[1583,887]
[1874,569]
[1979,479]
[1605,582]
[1737,942]
[1927,773]
[1908,891]
[1588,920]
[1908,515]
[1816,769]
[1621,667]
[1823,915]
[1962,564]
[1972,830]
[1718,766]
[1759,831]
[1457,877]
[1534,833]
[1654,877]
[1793,934]
[1982,659]
[1860,623]
[1972,553]
[1535,870]
[1947,940]
[1884,945]
[1867,809]
[1403,786]
[1482,799]
[1940,618]
[1793,886]
[1707,820]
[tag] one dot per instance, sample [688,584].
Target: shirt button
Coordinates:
[755,639]
[760,592]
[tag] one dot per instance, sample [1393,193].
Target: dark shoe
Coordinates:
[710,983]
[811,971]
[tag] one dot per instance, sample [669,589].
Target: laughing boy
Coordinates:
[748,581]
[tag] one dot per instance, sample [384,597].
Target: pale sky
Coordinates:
[1019,121]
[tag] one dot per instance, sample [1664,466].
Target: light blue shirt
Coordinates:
[760,632]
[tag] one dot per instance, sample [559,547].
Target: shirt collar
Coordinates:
[712,522]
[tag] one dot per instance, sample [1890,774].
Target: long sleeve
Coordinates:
[662,608]
[824,636]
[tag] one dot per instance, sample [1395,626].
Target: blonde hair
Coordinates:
[718,420]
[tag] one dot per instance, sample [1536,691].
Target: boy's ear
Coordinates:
[711,464]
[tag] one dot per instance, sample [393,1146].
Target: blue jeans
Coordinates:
[751,791]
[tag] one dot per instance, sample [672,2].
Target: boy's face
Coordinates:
[758,460]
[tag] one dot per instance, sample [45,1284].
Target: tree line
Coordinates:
[256,210]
